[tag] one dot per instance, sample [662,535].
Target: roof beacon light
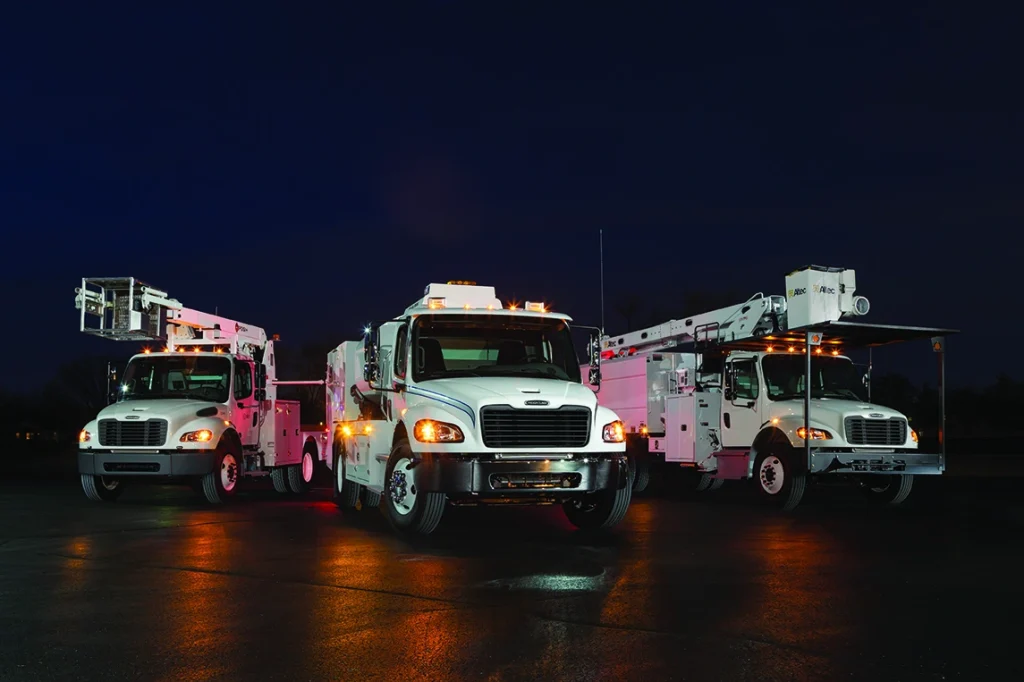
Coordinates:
[534,307]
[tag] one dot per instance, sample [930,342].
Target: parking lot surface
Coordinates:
[161,586]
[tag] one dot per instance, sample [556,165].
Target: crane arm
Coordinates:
[754,317]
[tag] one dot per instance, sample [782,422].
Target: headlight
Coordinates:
[816,434]
[200,436]
[614,432]
[430,431]
[913,435]
[84,436]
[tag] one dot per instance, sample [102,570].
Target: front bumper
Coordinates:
[192,463]
[905,462]
[516,478]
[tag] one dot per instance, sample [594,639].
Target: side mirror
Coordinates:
[729,390]
[594,350]
[866,379]
[371,364]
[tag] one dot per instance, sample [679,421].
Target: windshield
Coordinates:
[486,346]
[179,376]
[831,377]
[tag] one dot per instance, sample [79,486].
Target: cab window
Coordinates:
[745,374]
[243,380]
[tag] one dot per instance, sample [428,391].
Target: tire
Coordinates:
[408,510]
[778,482]
[301,475]
[716,483]
[370,499]
[102,488]
[220,484]
[642,478]
[279,476]
[890,489]
[704,481]
[346,493]
[599,510]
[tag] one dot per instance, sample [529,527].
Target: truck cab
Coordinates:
[461,400]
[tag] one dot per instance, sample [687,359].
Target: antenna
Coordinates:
[600,234]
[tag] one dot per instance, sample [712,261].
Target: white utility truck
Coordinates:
[462,400]
[734,393]
[201,407]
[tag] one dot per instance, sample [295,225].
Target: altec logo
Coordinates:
[797,292]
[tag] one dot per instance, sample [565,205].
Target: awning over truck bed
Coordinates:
[845,334]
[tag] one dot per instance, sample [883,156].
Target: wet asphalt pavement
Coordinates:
[158,586]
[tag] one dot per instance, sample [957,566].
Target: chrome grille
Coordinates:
[507,427]
[151,433]
[863,431]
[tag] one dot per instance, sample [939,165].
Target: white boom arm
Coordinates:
[814,295]
[130,310]
[757,316]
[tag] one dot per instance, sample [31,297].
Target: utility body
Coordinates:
[735,392]
[461,400]
[201,406]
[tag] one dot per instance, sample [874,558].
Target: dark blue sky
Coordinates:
[308,168]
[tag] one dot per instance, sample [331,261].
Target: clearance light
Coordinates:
[816,434]
[84,436]
[430,431]
[368,429]
[200,436]
[775,420]
[490,306]
[791,349]
[196,349]
[435,303]
[818,351]
[614,432]
[770,349]
[147,351]
[534,307]
[166,349]
[835,352]
[462,282]
[512,306]
[643,429]
[346,430]
[466,306]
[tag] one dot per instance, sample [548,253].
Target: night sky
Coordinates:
[307,169]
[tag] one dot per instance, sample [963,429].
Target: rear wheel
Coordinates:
[220,484]
[346,493]
[889,489]
[643,475]
[279,477]
[102,488]
[406,508]
[778,482]
[301,475]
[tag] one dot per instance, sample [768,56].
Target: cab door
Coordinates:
[741,409]
[246,408]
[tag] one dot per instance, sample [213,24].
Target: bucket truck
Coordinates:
[764,389]
[461,400]
[201,406]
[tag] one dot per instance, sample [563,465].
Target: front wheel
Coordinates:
[406,508]
[102,488]
[888,489]
[220,484]
[602,509]
[777,480]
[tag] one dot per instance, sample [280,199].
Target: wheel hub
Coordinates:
[772,475]
[228,472]
[401,488]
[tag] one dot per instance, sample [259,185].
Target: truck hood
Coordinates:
[177,410]
[835,407]
[475,392]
